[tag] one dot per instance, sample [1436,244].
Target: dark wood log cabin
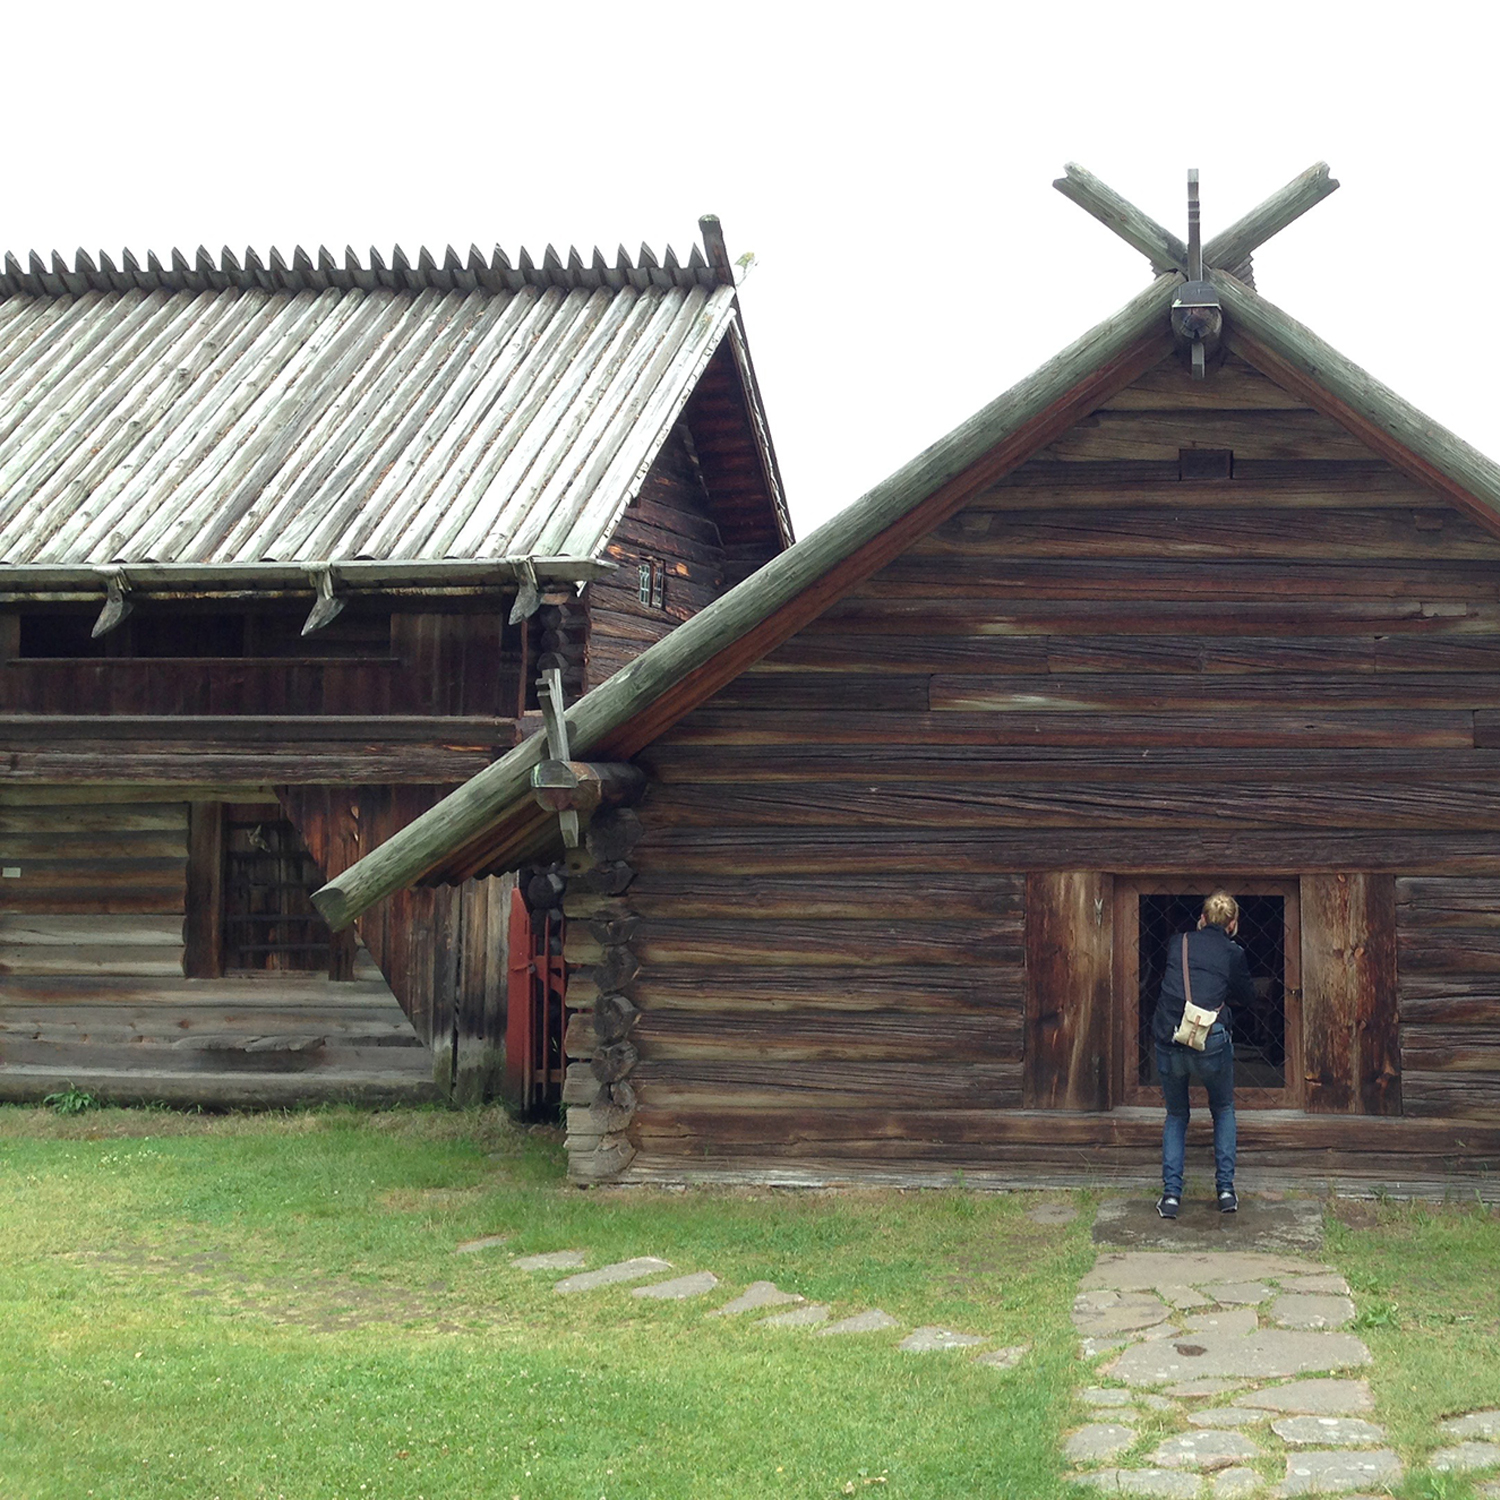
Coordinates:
[929,794]
[283,548]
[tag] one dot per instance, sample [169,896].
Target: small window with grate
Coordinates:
[1153,914]
[269,877]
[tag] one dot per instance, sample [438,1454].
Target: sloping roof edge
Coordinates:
[466,813]
[628,710]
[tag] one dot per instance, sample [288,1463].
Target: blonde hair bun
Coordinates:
[1220,909]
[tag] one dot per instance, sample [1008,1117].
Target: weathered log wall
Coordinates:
[669,521]
[1095,666]
[93,909]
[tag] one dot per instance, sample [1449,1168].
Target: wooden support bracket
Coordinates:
[117,604]
[329,604]
[584,786]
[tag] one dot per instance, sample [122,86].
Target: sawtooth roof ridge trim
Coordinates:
[305,271]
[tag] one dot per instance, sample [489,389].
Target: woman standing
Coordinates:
[1209,967]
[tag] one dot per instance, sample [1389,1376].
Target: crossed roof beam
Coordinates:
[1225,252]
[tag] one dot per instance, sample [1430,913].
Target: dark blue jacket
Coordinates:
[1219,973]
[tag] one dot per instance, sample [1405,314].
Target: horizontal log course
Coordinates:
[1234,530]
[603,1163]
[694,764]
[1264,1134]
[1156,434]
[984,579]
[776,898]
[1157,484]
[1250,729]
[975,615]
[582,904]
[700,1085]
[1458,950]
[111,819]
[1291,851]
[1235,385]
[580,1087]
[1469,1096]
[980,986]
[831,1036]
[1180,655]
[251,1089]
[831,944]
[1111,805]
[138,961]
[1143,692]
[1472,1048]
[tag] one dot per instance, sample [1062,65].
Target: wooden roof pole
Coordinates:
[1225,251]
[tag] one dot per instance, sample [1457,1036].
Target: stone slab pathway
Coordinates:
[679,1288]
[624,1270]
[1246,1350]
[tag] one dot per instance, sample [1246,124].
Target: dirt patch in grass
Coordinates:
[320,1302]
[431,1200]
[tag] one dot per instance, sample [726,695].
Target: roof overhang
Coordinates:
[46,582]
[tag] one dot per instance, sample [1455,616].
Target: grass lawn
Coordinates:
[272,1306]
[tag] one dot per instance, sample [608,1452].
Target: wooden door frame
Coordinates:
[1126,1010]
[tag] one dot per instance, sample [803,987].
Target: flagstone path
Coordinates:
[1232,1373]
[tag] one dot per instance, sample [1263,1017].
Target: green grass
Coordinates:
[272,1306]
[1426,1279]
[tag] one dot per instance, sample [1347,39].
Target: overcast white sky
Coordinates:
[889,166]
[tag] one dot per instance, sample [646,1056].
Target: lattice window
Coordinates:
[1259,1029]
[653,583]
[269,919]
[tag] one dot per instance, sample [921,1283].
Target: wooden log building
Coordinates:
[1197,603]
[284,548]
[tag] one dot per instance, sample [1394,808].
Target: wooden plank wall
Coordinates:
[92,984]
[1095,666]
[442,949]
[429,664]
[669,520]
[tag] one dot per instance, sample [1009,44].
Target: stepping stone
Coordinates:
[1489,1491]
[1158,1403]
[1228,1416]
[1004,1359]
[1098,1440]
[799,1317]
[755,1296]
[1323,1398]
[1237,1320]
[1204,1450]
[1466,1456]
[1235,1483]
[1183,1296]
[1166,1484]
[489,1242]
[679,1288]
[1101,1395]
[1332,1285]
[1311,1310]
[1130,1311]
[1328,1432]
[1206,1387]
[1141,1270]
[929,1340]
[1266,1354]
[1338,1473]
[553,1260]
[623,1270]
[865,1322]
[1093,1348]
[1238,1292]
[1292,1227]
[1476,1424]
[1052,1213]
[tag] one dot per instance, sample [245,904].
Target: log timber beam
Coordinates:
[1163,248]
[582,786]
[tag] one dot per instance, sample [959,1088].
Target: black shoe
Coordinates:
[1228,1203]
[1167,1207]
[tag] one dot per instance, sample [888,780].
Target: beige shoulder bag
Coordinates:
[1195,1020]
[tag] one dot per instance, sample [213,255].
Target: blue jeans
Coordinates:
[1214,1069]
